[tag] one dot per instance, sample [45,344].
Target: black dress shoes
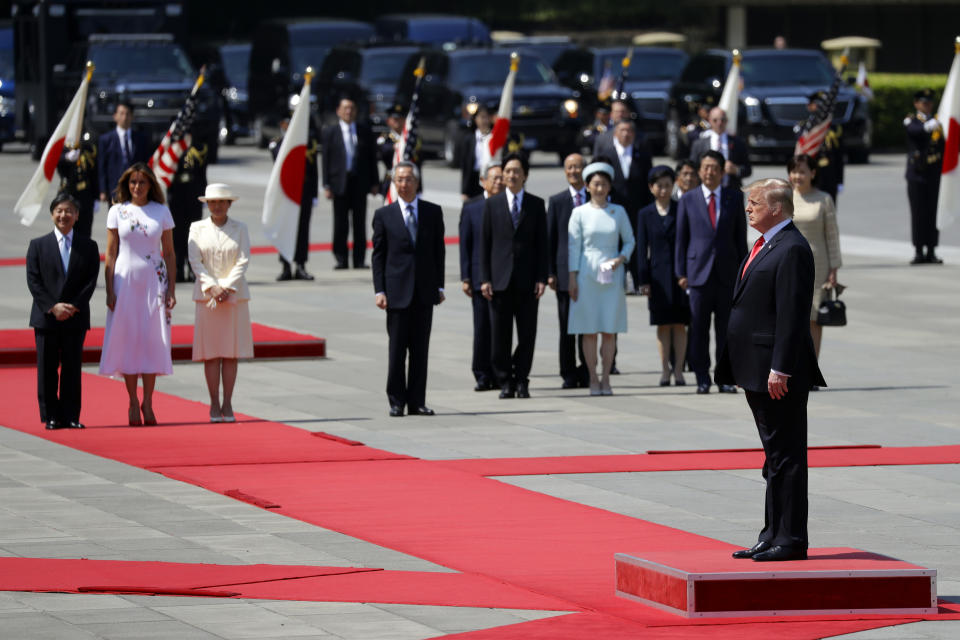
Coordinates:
[507,391]
[286,274]
[727,388]
[614,371]
[778,553]
[340,265]
[53,424]
[301,273]
[421,411]
[360,266]
[75,425]
[931,258]
[918,259]
[570,384]
[703,387]
[523,390]
[485,385]
[763,545]
[396,411]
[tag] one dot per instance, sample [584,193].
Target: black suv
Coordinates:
[281,52]
[546,114]
[432,29]
[650,76]
[776,84]
[154,74]
[366,74]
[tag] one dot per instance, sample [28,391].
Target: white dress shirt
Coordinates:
[573,195]
[126,143]
[720,142]
[480,149]
[511,196]
[625,154]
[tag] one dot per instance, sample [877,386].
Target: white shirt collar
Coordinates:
[620,148]
[347,125]
[582,191]
[403,205]
[60,236]
[772,231]
[510,197]
[121,131]
[706,192]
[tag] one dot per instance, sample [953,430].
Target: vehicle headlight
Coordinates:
[754,113]
[471,108]
[571,107]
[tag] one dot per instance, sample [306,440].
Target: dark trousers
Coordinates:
[84,225]
[481,364]
[923,213]
[302,251]
[58,392]
[514,304]
[782,425]
[712,298]
[570,345]
[350,209]
[409,332]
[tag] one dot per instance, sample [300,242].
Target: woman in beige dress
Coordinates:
[219,250]
[815,216]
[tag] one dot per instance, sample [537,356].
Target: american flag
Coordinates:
[177,140]
[815,129]
[406,146]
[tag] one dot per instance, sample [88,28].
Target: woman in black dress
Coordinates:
[669,309]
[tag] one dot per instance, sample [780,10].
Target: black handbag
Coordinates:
[832,311]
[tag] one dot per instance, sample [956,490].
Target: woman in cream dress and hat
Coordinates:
[219,251]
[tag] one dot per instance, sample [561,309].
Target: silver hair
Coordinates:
[490,165]
[409,165]
[775,191]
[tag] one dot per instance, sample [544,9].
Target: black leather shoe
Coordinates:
[301,273]
[932,258]
[360,266]
[778,553]
[286,274]
[421,411]
[614,371]
[918,259]
[340,265]
[396,412]
[727,388]
[703,387]
[75,425]
[570,384]
[763,545]
[523,390]
[507,391]
[53,424]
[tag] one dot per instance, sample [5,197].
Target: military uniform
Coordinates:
[386,144]
[924,162]
[78,177]
[311,183]
[829,161]
[188,184]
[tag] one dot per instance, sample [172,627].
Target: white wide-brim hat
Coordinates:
[217,191]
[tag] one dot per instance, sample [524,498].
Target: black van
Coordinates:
[281,51]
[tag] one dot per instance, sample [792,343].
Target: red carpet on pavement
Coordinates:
[17,346]
[531,542]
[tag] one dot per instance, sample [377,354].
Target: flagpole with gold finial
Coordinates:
[307,75]
[75,144]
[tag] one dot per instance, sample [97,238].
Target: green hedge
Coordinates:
[892,101]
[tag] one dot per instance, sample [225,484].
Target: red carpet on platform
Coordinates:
[17,346]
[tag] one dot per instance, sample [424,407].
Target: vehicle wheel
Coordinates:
[450,144]
[671,143]
[858,156]
[257,131]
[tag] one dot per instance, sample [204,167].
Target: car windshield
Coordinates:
[308,56]
[778,70]
[383,68]
[447,31]
[492,70]
[143,62]
[235,63]
[645,66]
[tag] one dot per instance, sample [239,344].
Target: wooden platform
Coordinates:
[698,584]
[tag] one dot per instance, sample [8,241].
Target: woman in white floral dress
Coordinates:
[140,295]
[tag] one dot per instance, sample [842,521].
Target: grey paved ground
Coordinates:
[891,371]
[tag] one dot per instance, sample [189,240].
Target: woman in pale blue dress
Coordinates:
[597,301]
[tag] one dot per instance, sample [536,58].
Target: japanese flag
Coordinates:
[730,98]
[948,202]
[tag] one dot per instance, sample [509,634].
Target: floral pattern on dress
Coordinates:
[136,224]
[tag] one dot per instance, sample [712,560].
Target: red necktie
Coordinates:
[712,208]
[753,254]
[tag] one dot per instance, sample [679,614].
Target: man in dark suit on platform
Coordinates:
[349,174]
[471,246]
[514,269]
[769,352]
[559,208]
[120,148]
[711,242]
[408,255]
[631,163]
[62,269]
[736,155]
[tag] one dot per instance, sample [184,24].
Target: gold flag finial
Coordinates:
[737,57]
[956,45]
[90,68]
[308,75]
[514,61]
[421,69]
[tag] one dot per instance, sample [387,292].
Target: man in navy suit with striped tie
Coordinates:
[711,242]
[120,148]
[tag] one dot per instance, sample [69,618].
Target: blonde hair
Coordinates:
[775,191]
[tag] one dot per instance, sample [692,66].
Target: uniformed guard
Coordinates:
[924,160]
[188,183]
[600,124]
[311,183]
[78,177]
[387,141]
[829,158]
[701,123]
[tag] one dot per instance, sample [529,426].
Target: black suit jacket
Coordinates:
[514,257]
[403,271]
[656,239]
[701,249]
[110,165]
[467,154]
[471,240]
[631,191]
[737,150]
[48,285]
[559,208]
[335,167]
[769,325]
